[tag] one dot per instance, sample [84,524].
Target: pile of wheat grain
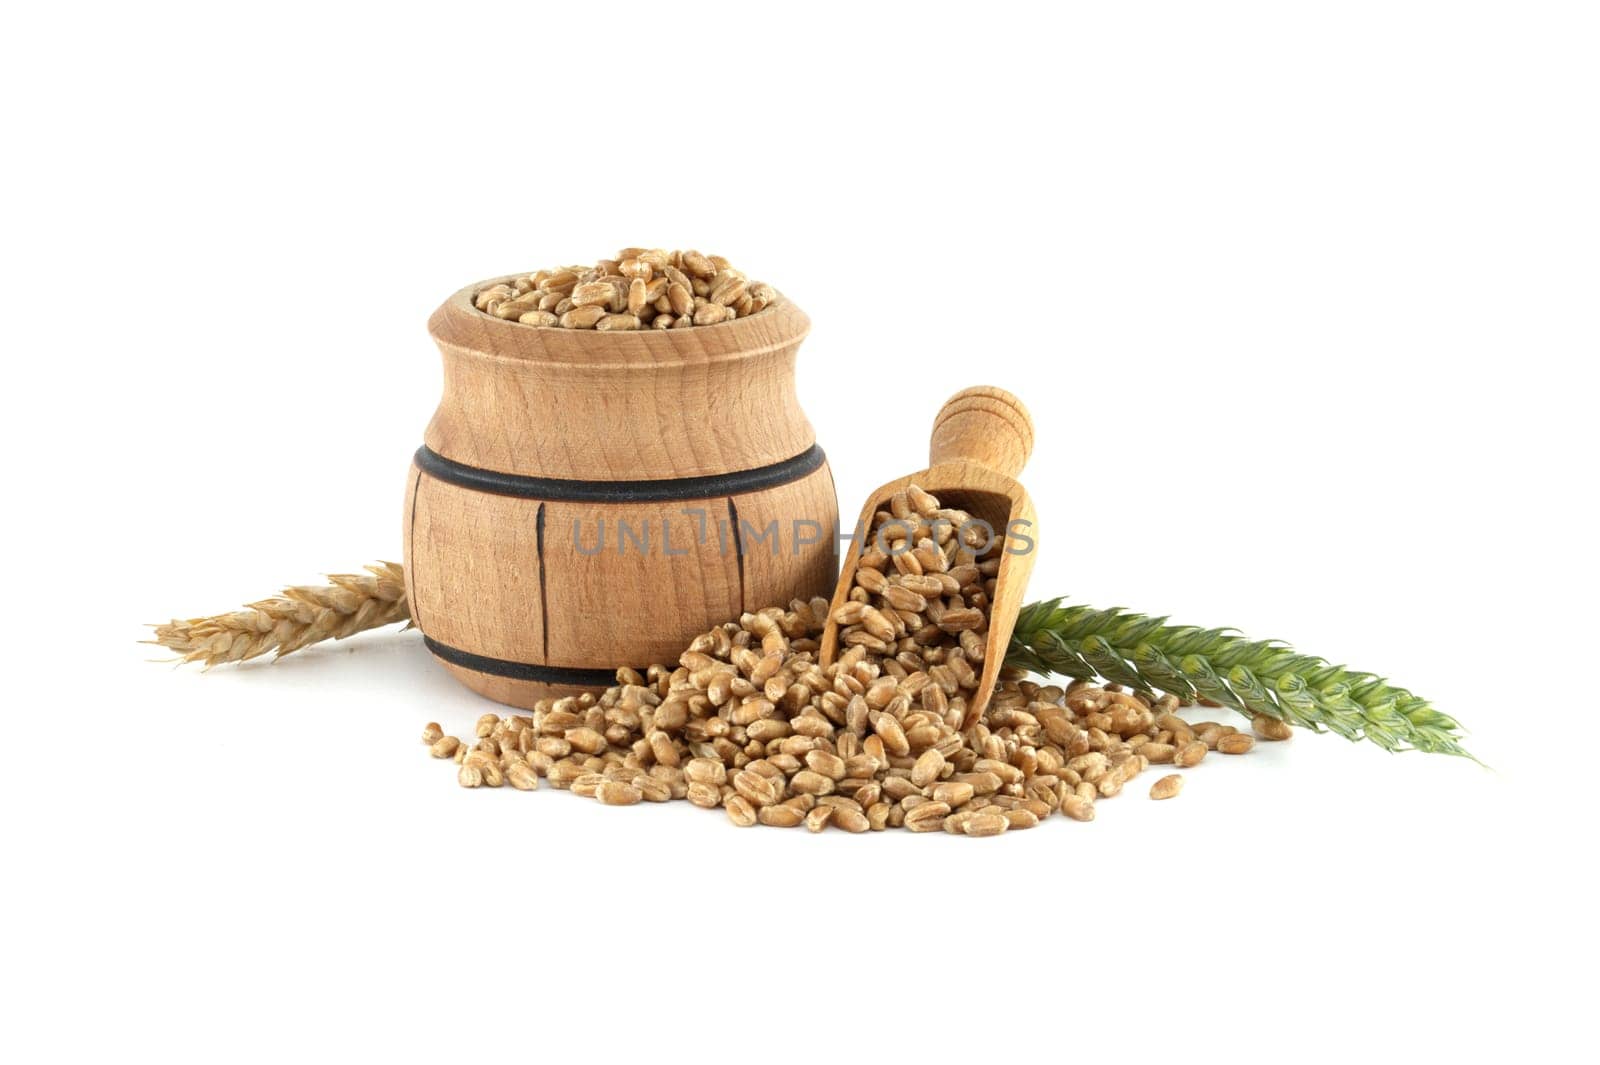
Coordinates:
[642,288]
[749,720]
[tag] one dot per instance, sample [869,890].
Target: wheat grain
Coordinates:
[985,824]
[739,810]
[642,288]
[1270,728]
[616,793]
[1166,787]
[750,721]
[1078,807]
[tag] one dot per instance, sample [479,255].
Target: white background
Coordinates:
[1303,298]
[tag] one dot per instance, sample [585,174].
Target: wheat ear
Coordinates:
[299,617]
[1250,676]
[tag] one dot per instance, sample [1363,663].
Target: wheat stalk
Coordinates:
[1250,676]
[296,619]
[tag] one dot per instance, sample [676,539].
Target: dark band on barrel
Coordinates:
[500,667]
[657,491]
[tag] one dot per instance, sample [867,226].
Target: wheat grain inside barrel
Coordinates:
[587,500]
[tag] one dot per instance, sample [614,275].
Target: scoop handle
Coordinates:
[985,425]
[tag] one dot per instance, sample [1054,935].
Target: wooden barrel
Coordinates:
[587,500]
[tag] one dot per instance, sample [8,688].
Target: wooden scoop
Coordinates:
[981,439]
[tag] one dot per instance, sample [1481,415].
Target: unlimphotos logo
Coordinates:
[738,535]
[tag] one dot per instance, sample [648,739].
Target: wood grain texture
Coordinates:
[985,425]
[806,558]
[472,567]
[975,426]
[585,405]
[509,690]
[528,580]
[630,603]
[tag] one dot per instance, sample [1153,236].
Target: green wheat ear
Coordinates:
[1250,676]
